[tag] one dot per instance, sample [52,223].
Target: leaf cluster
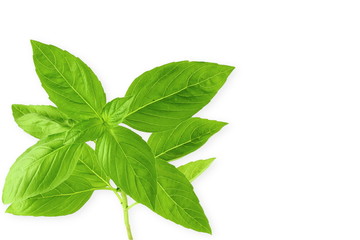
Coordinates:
[58,174]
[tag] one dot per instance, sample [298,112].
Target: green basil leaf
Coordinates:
[69,82]
[61,201]
[128,160]
[176,199]
[89,168]
[115,111]
[87,130]
[40,121]
[192,170]
[185,138]
[167,95]
[70,195]
[40,168]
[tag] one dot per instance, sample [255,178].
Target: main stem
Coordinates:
[125,206]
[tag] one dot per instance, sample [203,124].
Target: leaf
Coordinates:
[88,167]
[176,199]
[167,95]
[70,195]
[87,130]
[40,121]
[128,160]
[40,168]
[185,138]
[59,203]
[115,111]
[192,170]
[69,82]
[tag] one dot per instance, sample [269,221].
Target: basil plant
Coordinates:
[58,174]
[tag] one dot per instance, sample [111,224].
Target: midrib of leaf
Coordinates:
[182,144]
[69,194]
[68,82]
[181,207]
[201,171]
[170,149]
[55,151]
[22,112]
[96,174]
[157,100]
[44,117]
[127,159]
[56,119]
[88,190]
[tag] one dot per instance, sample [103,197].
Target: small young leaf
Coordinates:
[192,170]
[128,160]
[40,121]
[69,82]
[86,130]
[185,138]
[167,95]
[176,199]
[115,111]
[40,168]
[70,195]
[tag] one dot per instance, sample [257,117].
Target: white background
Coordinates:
[287,164]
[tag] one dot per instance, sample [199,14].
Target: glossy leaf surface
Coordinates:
[86,130]
[115,111]
[128,160]
[194,169]
[40,120]
[176,199]
[70,195]
[41,168]
[185,138]
[167,95]
[69,82]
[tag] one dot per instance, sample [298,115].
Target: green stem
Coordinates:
[117,195]
[126,214]
[135,203]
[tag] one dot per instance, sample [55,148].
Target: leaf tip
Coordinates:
[36,44]
[33,42]
[224,123]
[228,69]
[206,229]
[14,109]
[231,68]
[9,210]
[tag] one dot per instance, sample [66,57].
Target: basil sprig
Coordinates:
[58,174]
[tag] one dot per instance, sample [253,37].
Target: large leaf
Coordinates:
[172,93]
[41,168]
[66,199]
[86,130]
[40,121]
[70,195]
[128,160]
[192,170]
[176,199]
[185,138]
[69,82]
[115,111]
